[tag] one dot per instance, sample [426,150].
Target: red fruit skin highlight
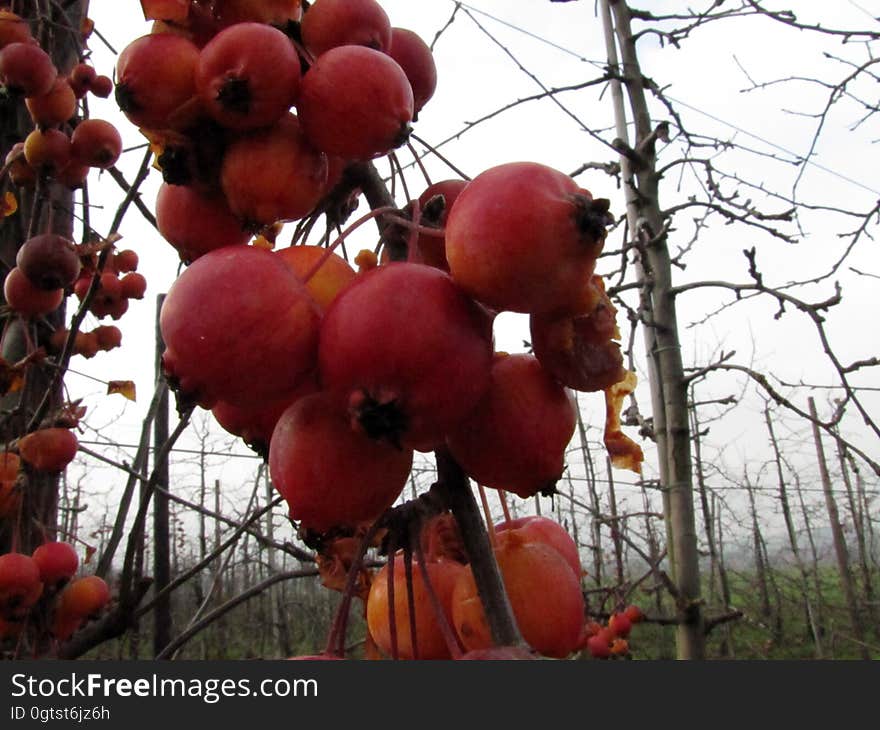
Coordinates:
[524,237]
[356,103]
[239,327]
[516,436]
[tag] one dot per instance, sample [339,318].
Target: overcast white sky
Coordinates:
[564,45]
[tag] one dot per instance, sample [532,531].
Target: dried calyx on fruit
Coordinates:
[545,229]
[407,351]
[322,490]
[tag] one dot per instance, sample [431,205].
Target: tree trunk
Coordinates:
[203,522]
[218,578]
[284,639]
[727,645]
[871,536]
[616,527]
[274,619]
[870,612]
[48,208]
[840,549]
[792,539]
[575,531]
[666,650]
[595,507]
[764,609]
[814,556]
[175,554]
[161,536]
[775,592]
[65,507]
[77,499]
[708,519]
[665,367]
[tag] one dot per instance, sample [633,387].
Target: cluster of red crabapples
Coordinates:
[48,267]
[339,377]
[41,589]
[43,584]
[60,150]
[61,147]
[46,449]
[611,640]
[437,612]
[256,108]
[424,603]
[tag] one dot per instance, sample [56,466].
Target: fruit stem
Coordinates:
[410,600]
[453,643]
[439,156]
[418,160]
[503,497]
[336,639]
[301,49]
[487,576]
[364,176]
[487,513]
[412,245]
[392,612]
[398,170]
[375,213]
[422,230]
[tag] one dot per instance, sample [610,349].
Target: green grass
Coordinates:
[783,634]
